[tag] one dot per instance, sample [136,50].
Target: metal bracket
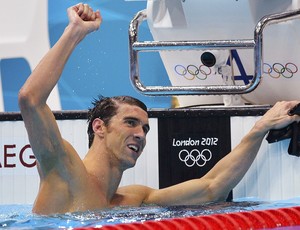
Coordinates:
[152,46]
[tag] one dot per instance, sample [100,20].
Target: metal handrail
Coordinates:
[151,46]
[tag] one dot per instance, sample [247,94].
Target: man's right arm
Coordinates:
[44,136]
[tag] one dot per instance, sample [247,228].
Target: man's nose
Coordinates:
[140,133]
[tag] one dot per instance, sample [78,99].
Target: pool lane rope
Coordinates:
[259,219]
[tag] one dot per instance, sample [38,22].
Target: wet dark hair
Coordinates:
[105,108]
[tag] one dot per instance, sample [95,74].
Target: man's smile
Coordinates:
[134,147]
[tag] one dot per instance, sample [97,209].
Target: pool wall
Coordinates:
[274,174]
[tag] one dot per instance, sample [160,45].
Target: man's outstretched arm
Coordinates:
[227,173]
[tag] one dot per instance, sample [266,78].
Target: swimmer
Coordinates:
[117,136]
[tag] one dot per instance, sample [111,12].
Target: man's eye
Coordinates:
[131,122]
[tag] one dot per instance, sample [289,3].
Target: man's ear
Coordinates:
[98,127]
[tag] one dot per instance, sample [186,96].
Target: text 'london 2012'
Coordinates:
[204,141]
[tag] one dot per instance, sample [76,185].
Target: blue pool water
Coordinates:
[20,216]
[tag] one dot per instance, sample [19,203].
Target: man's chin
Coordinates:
[129,165]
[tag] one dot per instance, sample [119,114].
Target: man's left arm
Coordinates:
[227,173]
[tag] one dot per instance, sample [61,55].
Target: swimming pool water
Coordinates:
[20,216]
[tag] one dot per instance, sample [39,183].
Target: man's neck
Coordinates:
[107,174]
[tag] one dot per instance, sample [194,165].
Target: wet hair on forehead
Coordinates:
[106,107]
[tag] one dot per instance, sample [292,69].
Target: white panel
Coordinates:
[75,131]
[274,174]
[13,160]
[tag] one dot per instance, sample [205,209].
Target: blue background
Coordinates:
[99,65]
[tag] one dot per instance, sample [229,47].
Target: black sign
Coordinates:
[189,147]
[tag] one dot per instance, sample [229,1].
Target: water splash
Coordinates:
[20,216]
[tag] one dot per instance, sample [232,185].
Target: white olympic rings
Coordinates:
[195,157]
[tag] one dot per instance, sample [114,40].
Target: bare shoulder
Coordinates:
[131,195]
[133,189]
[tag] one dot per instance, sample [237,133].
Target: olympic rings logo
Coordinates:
[195,157]
[277,70]
[191,71]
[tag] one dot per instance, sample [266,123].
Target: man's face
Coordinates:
[126,134]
